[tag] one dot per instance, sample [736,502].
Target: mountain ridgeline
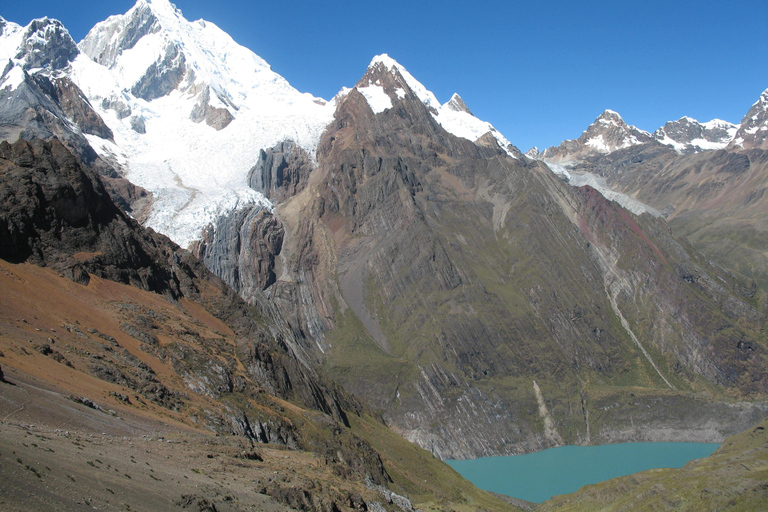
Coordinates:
[392,248]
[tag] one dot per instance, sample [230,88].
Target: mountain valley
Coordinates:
[317,300]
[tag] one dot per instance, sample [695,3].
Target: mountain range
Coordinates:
[340,271]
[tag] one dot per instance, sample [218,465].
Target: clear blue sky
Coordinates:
[539,71]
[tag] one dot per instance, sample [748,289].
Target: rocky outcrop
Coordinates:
[215,117]
[162,76]
[457,103]
[31,110]
[74,105]
[99,44]
[281,171]
[55,209]
[47,44]
[241,249]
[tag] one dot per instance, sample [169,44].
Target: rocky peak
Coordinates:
[606,134]
[753,131]
[687,135]
[46,44]
[454,116]
[533,153]
[457,104]
[387,65]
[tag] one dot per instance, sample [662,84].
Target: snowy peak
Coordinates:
[753,131]
[687,135]
[385,64]
[533,153]
[454,116]
[606,134]
[190,109]
[152,51]
[609,132]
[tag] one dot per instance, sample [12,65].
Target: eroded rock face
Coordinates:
[242,248]
[281,171]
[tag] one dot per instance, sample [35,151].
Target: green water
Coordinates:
[539,476]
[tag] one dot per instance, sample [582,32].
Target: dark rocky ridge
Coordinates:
[55,208]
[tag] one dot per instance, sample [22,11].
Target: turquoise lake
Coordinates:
[539,476]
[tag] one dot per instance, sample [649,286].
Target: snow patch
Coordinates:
[377,99]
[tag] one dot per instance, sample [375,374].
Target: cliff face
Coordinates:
[241,249]
[489,308]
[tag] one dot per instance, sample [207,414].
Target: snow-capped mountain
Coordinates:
[186,109]
[687,135]
[190,109]
[753,131]
[606,134]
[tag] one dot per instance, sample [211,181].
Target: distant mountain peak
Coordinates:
[687,135]
[533,153]
[608,133]
[753,131]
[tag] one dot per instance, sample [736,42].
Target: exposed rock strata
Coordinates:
[242,249]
